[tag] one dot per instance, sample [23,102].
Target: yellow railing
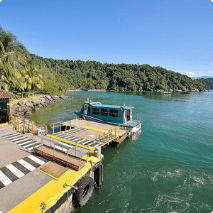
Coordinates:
[22,125]
[111,134]
[67,124]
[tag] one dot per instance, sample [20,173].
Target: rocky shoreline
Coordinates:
[22,110]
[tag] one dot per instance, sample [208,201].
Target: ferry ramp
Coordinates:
[88,134]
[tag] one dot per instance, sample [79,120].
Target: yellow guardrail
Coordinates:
[102,130]
[110,135]
[71,142]
[68,125]
[22,125]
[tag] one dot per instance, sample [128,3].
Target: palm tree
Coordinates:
[33,77]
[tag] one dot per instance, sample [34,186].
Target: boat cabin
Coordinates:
[107,113]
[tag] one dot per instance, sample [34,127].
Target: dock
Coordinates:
[88,133]
[42,172]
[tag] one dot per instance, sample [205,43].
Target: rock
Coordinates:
[20,103]
[48,97]
[29,104]
[42,99]
[36,108]
[55,97]
[28,112]
[64,97]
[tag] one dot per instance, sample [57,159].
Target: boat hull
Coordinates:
[132,129]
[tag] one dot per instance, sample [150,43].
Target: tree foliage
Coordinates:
[28,71]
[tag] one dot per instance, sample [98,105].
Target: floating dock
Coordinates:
[40,174]
[52,172]
[88,133]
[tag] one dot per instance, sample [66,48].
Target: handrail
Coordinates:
[109,132]
[67,123]
[22,126]
[53,146]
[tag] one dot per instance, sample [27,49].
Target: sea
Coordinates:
[166,167]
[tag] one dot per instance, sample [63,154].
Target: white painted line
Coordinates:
[15,171]
[12,137]
[81,140]
[37,160]
[37,146]
[24,143]
[8,136]
[4,179]
[30,144]
[20,142]
[26,165]
[65,144]
[18,139]
[58,147]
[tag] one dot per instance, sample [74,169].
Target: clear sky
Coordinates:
[174,34]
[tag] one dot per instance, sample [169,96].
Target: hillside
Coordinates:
[209,82]
[127,77]
[25,71]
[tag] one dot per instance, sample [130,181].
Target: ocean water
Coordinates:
[167,167]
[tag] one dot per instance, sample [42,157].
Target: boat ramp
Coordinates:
[52,172]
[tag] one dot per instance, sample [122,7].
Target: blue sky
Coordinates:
[174,34]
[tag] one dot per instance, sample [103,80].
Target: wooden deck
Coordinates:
[61,157]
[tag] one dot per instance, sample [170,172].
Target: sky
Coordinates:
[174,34]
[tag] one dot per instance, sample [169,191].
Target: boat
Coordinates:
[184,92]
[166,92]
[111,114]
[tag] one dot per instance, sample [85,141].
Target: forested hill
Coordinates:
[93,74]
[23,71]
[208,81]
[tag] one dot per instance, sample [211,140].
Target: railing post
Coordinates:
[75,148]
[99,139]
[80,163]
[53,128]
[115,132]
[108,137]
[67,157]
[33,143]
[104,138]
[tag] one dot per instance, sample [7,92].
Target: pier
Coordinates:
[42,172]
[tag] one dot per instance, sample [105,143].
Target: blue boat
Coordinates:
[111,114]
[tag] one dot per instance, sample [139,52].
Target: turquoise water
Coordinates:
[166,168]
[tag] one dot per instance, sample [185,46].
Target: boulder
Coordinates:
[36,108]
[42,99]
[55,97]
[64,97]
[48,97]
[20,103]
[29,104]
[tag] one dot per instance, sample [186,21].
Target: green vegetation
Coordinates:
[24,71]
[208,81]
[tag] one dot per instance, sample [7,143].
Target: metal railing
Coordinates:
[112,134]
[22,125]
[64,150]
[68,125]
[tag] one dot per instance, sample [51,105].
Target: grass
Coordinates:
[31,98]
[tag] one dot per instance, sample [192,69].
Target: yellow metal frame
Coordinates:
[50,193]
[71,142]
[46,172]
[76,122]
